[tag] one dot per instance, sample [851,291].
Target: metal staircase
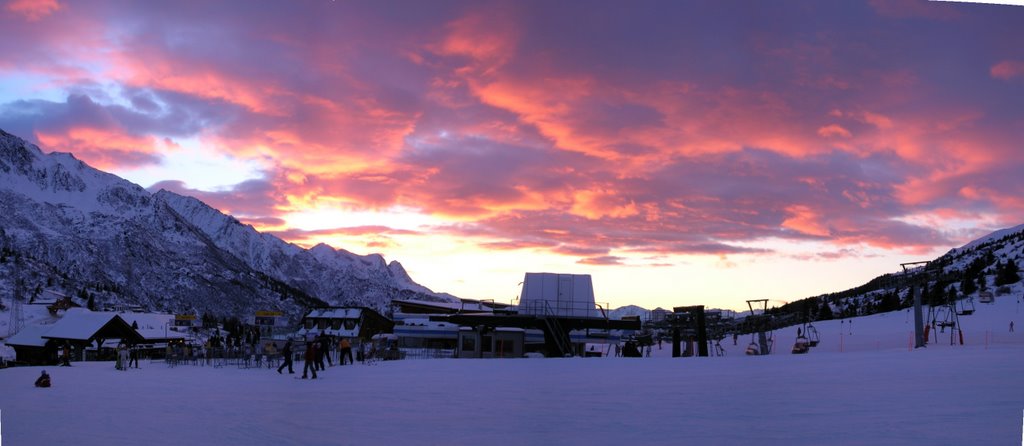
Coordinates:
[553,328]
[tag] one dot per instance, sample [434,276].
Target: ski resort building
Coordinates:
[79,328]
[565,295]
[556,315]
[420,337]
[344,322]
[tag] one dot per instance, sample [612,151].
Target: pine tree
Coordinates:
[825,312]
[968,286]
[1007,273]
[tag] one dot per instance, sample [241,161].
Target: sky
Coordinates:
[681,153]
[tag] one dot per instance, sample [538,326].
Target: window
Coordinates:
[309,324]
[485,343]
[350,324]
[468,344]
[336,324]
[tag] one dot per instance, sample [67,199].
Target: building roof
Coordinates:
[80,324]
[30,336]
[159,334]
[447,307]
[335,313]
[148,320]
[340,333]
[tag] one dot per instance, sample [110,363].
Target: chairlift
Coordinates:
[802,345]
[966,307]
[753,349]
[812,335]
[940,315]
[945,317]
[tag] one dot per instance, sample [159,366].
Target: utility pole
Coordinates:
[919,340]
[17,317]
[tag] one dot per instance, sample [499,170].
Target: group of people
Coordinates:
[317,350]
[127,356]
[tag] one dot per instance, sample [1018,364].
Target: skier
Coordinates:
[346,351]
[287,352]
[43,380]
[322,351]
[122,356]
[133,353]
[66,355]
[1011,326]
[310,359]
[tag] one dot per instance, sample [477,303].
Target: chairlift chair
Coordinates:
[801,346]
[812,335]
[966,307]
[753,349]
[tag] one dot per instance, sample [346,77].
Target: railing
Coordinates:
[564,308]
[428,353]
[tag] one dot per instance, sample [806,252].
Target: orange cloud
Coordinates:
[595,204]
[877,120]
[152,72]
[480,37]
[833,130]
[33,10]
[105,149]
[1007,69]
[805,220]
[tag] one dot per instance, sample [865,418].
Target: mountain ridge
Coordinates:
[160,250]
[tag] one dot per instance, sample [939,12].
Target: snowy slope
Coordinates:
[990,238]
[69,228]
[961,395]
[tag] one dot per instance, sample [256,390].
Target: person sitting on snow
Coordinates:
[43,380]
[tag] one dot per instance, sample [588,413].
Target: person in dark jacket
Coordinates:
[43,380]
[310,359]
[323,351]
[287,352]
[65,357]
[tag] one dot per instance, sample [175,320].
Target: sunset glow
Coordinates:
[679,152]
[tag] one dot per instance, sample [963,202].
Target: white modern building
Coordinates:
[565,295]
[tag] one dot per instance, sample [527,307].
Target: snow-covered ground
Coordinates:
[873,392]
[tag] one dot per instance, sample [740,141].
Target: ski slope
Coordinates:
[874,391]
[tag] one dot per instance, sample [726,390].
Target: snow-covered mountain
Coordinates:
[70,228]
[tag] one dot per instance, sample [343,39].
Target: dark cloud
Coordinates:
[256,199]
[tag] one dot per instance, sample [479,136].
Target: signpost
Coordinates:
[184,320]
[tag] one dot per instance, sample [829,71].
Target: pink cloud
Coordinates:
[1007,69]
[33,10]
[585,140]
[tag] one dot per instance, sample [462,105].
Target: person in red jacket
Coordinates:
[310,359]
